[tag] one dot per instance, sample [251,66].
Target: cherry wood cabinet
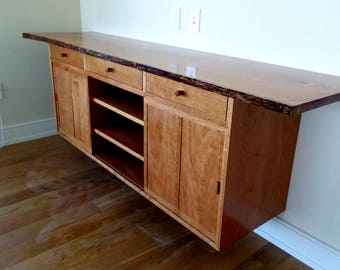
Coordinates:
[218,165]
[72,106]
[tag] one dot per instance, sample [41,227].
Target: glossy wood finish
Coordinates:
[184,165]
[261,153]
[72,103]
[117,128]
[163,162]
[128,138]
[181,93]
[201,162]
[60,210]
[62,81]
[81,111]
[287,90]
[120,73]
[206,165]
[184,111]
[66,56]
[117,99]
[128,166]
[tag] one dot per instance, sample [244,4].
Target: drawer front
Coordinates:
[67,56]
[117,72]
[187,95]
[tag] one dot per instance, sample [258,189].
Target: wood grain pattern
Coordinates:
[261,151]
[62,80]
[199,99]
[121,161]
[129,139]
[201,161]
[164,142]
[87,219]
[184,111]
[72,103]
[128,109]
[81,109]
[66,56]
[287,90]
[120,73]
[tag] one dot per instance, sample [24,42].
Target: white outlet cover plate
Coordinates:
[191,71]
[194,20]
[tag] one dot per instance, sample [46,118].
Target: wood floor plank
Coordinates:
[36,238]
[60,210]
[270,256]
[291,263]
[49,204]
[193,254]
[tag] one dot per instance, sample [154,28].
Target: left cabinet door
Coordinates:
[72,104]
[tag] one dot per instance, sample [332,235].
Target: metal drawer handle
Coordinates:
[109,69]
[179,93]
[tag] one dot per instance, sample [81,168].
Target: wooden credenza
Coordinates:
[220,164]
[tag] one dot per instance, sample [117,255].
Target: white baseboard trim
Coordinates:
[300,245]
[29,131]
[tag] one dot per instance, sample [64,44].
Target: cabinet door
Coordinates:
[163,155]
[63,97]
[81,114]
[72,104]
[201,161]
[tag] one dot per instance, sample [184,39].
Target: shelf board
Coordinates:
[130,140]
[129,108]
[126,165]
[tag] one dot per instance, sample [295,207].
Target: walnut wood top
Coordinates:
[287,90]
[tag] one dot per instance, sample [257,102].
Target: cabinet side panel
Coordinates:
[261,154]
[164,136]
[202,148]
[63,94]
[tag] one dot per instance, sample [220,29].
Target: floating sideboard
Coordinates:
[214,150]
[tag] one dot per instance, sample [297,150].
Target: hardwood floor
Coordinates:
[60,210]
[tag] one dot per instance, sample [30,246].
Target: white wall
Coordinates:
[302,34]
[24,66]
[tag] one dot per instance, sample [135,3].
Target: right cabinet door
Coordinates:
[200,177]
[184,161]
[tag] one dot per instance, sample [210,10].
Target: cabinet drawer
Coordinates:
[117,72]
[67,56]
[187,95]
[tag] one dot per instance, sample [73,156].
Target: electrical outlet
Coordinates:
[191,71]
[194,20]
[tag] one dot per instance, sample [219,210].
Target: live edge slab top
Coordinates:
[286,90]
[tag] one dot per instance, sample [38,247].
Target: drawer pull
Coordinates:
[179,93]
[109,69]
[64,55]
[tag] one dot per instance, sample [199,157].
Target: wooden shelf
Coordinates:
[130,109]
[128,138]
[122,162]
[120,101]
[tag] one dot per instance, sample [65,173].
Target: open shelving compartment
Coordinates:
[118,129]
